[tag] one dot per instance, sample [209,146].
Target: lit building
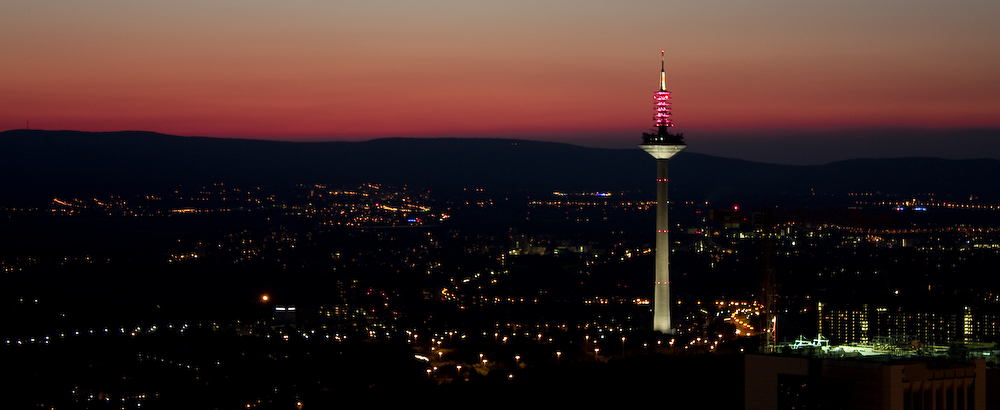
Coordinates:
[662,145]
[938,325]
[981,324]
[284,315]
[844,325]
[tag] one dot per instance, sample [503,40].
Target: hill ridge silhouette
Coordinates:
[40,164]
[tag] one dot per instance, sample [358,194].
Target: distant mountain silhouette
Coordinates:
[38,165]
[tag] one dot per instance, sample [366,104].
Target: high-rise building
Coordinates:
[662,145]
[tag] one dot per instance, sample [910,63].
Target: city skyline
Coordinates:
[565,72]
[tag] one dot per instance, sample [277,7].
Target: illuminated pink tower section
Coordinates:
[662,145]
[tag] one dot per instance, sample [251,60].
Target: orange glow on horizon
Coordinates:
[329,70]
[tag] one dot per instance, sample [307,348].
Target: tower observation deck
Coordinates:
[662,145]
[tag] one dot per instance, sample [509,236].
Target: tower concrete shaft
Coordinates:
[661,268]
[661,288]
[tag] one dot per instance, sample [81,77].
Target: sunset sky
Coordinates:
[577,71]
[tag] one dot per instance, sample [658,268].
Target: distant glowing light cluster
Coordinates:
[662,117]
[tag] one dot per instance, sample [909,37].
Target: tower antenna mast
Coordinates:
[663,70]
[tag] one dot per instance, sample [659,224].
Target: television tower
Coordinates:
[662,146]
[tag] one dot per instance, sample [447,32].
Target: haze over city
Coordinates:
[771,72]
